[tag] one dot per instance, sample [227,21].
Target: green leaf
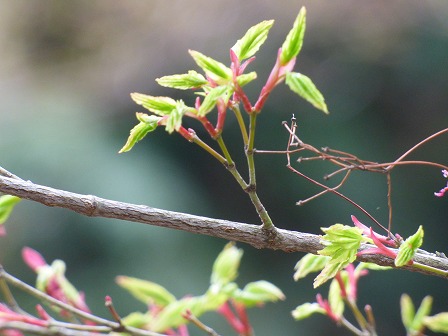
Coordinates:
[7,204]
[246,78]
[437,323]
[306,310]
[334,296]
[146,291]
[147,124]
[258,292]
[191,80]
[137,320]
[158,105]
[174,120]
[407,311]
[217,295]
[171,315]
[342,243]
[210,100]
[293,43]
[371,266]
[305,88]
[423,311]
[215,70]
[225,267]
[308,264]
[249,44]
[408,248]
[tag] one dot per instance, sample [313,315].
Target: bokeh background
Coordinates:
[66,71]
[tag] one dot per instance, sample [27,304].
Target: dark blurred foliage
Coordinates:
[66,72]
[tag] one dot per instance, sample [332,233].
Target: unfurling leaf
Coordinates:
[146,291]
[407,311]
[215,70]
[423,311]
[158,105]
[305,88]
[172,315]
[371,266]
[211,99]
[408,248]
[258,292]
[437,323]
[341,245]
[294,40]
[137,320]
[191,80]
[7,204]
[246,78]
[225,267]
[308,264]
[174,120]
[249,44]
[306,310]
[148,123]
[335,299]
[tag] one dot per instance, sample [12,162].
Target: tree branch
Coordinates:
[285,240]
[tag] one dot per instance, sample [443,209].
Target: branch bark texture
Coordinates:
[254,235]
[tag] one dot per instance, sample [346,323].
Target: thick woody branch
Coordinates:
[285,240]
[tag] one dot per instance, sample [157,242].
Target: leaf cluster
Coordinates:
[167,312]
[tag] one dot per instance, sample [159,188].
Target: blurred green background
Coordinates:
[66,71]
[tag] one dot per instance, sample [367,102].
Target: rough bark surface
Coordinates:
[285,240]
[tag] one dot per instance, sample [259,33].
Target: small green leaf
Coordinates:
[341,245]
[7,204]
[191,80]
[246,78]
[137,320]
[334,296]
[225,267]
[158,105]
[305,88]
[408,248]
[172,315]
[174,120]
[249,44]
[437,323]
[210,100]
[407,311]
[306,310]
[258,292]
[293,43]
[215,70]
[147,124]
[329,271]
[423,311]
[371,266]
[308,264]
[146,291]
[217,295]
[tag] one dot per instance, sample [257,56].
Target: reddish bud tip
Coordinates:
[33,259]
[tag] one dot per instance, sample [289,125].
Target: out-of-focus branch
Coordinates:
[285,240]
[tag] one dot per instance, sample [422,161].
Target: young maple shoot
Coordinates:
[221,89]
[166,312]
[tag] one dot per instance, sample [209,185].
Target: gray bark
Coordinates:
[254,235]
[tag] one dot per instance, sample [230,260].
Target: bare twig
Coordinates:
[285,240]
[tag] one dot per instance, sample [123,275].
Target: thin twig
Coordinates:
[433,136]
[113,326]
